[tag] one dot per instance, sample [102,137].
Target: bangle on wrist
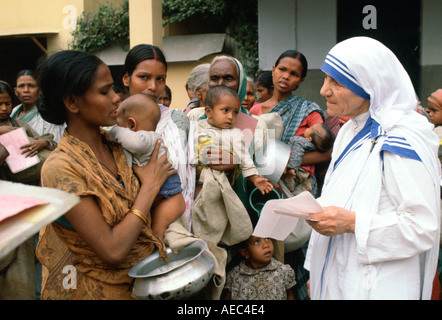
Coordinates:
[139,214]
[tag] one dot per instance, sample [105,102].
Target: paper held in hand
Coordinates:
[279,217]
[12,141]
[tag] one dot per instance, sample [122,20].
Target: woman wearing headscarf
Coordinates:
[229,72]
[226,71]
[378,236]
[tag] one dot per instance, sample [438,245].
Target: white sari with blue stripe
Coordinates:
[385,168]
[395,222]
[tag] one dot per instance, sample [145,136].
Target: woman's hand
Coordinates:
[156,171]
[32,148]
[333,221]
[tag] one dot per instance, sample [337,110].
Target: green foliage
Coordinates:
[110,25]
[179,11]
[241,19]
[238,18]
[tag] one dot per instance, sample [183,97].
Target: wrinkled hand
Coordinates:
[333,221]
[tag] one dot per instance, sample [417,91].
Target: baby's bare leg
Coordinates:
[165,212]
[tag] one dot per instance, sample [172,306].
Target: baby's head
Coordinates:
[257,251]
[222,107]
[139,112]
[321,136]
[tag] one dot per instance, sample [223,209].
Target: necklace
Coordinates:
[110,171]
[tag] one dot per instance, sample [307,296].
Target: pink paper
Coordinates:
[13,141]
[11,204]
[248,125]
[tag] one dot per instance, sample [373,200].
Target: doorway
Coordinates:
[18,53]
[397,26]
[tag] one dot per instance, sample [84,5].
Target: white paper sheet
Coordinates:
[279,217]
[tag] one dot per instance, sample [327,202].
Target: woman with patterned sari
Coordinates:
[297,114]
[88,252]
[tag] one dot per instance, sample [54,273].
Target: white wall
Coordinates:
[276,28]
[316,32]
[431,50]
[308,26]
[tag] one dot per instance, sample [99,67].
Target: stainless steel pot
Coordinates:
[187,272]
[271,159]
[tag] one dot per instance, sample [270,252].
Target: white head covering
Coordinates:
[372,71]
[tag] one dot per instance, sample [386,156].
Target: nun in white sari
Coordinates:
[378,237]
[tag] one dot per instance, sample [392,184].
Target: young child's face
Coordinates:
[262,93]
[316,128]
[5,105]
[164,99]
[223,115]
[259,251]
[435,114]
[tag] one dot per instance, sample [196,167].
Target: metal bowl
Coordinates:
[271,159]
[187,272]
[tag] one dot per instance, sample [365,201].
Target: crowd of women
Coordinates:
[377,238]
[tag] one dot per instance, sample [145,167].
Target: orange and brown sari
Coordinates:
[73,167]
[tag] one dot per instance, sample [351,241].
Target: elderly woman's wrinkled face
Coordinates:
[224,73]
[342,101]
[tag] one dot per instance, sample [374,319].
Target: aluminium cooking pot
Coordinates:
[186,274]
[272,159]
